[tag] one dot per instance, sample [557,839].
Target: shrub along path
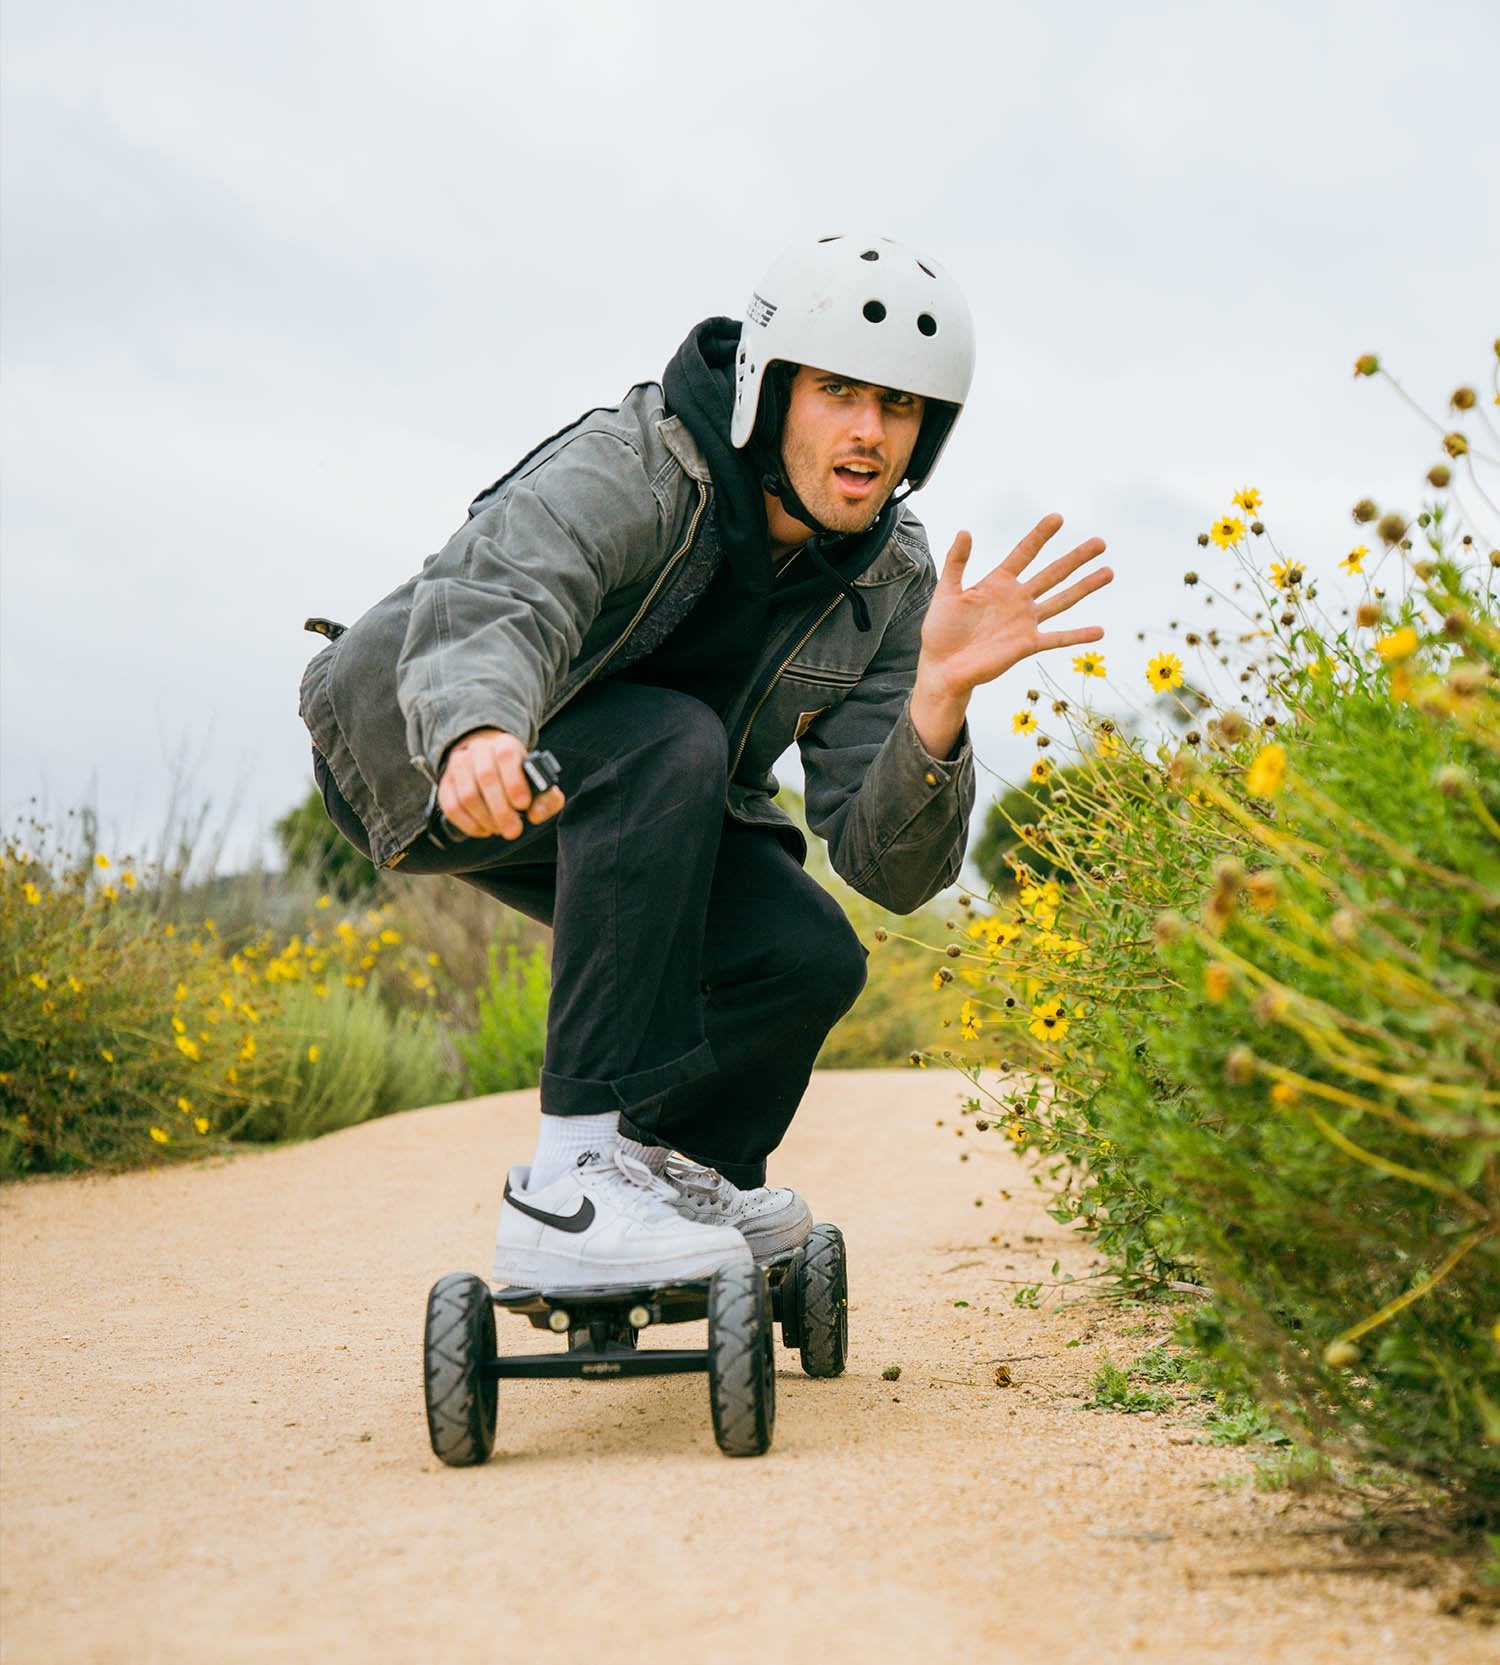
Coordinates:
[214,1446]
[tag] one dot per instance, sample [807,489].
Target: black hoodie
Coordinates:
[710,652]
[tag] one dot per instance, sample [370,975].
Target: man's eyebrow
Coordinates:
[884,392]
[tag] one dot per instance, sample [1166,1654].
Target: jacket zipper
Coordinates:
[645,606]
[766,691]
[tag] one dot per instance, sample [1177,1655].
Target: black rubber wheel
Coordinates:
[460,1341]
[823,1309]
[741,1360]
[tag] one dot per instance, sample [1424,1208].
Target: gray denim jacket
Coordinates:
[540,590]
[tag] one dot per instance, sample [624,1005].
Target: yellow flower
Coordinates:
[101,860]
[390,937]
[1107,743]
[1227,531]
[970,1020]
[312,1054]
[321,990]
[38,980]
[1040,770]
[1287,575]
[31,893]
[1090,664]
[1400,644]
[247,1049]
[1022,723]
[1248,499]
[1264,776]
[434,959]
[110,894]
[1354,561]
[209,926]
[128,880]
[188,1049]
[178,1024]
[324,902]
[106,1055]
[201,1123]
[1283,1095]
[161,1136]
[169,930]
[1164,672]
[74,984]
[1216,981]
[185,1105]
[1047,1021]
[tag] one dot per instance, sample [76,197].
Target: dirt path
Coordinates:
[214,1448]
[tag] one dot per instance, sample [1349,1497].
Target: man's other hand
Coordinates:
[483,789]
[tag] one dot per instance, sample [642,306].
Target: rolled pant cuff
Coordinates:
[571,1095]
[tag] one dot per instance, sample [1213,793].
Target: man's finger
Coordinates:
[1025,552]
[1064,599]
[1069,638]
[545,805]
[1063,567]
[957,559]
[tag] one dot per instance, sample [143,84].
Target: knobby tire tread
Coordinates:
[740,1384]
[825,1297]
[460,1412]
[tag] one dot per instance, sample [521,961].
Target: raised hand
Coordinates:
[973,635]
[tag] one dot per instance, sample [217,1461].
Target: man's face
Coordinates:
[846,445]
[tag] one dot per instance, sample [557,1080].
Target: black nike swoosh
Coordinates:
[580,1220]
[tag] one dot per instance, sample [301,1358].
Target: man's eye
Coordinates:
[833,387]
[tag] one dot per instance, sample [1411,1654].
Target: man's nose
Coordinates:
[868,420]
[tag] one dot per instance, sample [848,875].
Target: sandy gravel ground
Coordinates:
[214,1447]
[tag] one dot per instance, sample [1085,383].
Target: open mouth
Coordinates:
[857,479]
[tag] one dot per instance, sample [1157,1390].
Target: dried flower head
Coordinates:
[1455,444]
[1343,927]
[1367,614]
[1391,528]
[1364,510]
[1167,929]
[1239,1066]
[1450,780]
[1439,475]
[1367,364]
[1190,578]
[1463,398]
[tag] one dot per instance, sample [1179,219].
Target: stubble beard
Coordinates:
[817,491]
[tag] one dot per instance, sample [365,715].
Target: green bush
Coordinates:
[126,1037]
[1264,1015]
[506,1048]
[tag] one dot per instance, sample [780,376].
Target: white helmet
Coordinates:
[869,309]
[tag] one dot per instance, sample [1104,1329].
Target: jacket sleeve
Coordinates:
[895,818]
[499,613]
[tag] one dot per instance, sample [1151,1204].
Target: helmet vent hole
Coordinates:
[870,254]
[875,312]
[928,269]
[926,323]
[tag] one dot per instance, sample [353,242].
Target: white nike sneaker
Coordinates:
[772,1221]
[610,1221]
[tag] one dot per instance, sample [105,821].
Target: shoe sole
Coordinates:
[545,1269]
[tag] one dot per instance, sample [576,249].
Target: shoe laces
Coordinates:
[632,1186]
[702,1184]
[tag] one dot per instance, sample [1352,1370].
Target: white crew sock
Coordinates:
[565,1142]
[654,1156]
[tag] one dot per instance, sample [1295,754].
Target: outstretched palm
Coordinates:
[973,635]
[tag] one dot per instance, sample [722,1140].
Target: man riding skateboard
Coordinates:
[665,596]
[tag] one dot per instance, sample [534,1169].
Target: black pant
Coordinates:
[696,969]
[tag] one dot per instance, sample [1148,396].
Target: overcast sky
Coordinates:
[284,284]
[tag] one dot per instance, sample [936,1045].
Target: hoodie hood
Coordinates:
[698,385]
